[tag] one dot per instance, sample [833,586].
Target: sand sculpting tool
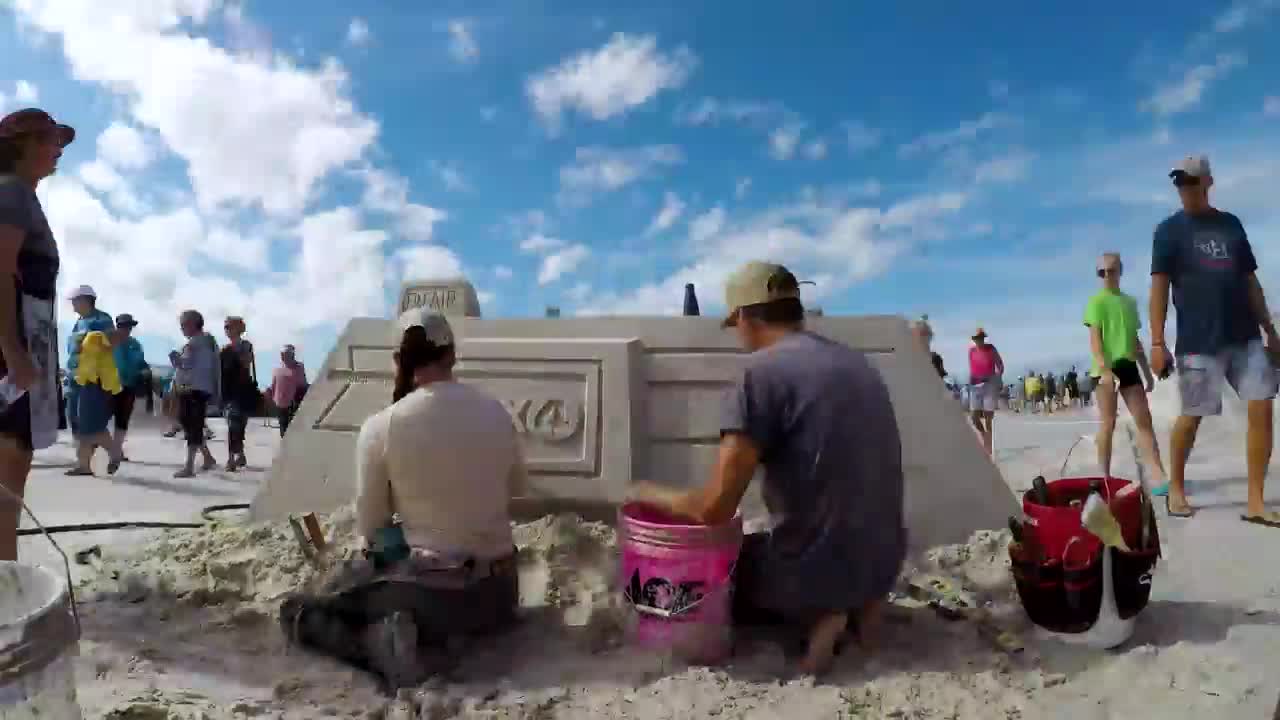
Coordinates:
[1098,519]
[314,531]
[304,543]
[1040,491]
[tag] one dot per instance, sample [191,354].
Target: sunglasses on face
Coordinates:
[1182,181]
[1108,271]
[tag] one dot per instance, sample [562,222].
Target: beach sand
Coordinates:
[180,624]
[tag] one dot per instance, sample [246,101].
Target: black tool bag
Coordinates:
[1062,598]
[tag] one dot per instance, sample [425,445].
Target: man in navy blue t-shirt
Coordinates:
[1204,255]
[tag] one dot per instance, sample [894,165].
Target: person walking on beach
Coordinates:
[31,143]
[1120,368]
[194,381]
[240,394]
[1050,384]
[89,402]
[131,363]
[288,384]
[1203,254]
[985,370]
[834,488]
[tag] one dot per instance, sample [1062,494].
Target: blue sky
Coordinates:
[242,157]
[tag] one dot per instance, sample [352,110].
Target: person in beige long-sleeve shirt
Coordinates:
[444,460]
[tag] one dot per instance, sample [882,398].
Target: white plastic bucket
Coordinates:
[39,637]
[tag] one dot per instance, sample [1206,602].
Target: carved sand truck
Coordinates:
[606,401]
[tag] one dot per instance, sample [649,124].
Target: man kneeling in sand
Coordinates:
[445,460]
[817,415]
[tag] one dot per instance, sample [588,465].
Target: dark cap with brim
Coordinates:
[31,121]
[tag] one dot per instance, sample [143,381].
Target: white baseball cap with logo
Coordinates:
[1193,165]
[436,325]
[82,291]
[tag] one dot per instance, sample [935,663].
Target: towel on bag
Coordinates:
[97,363]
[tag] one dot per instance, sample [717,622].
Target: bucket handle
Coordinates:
[66,563]
[1062,471]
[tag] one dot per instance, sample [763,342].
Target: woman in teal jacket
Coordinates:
[131,363]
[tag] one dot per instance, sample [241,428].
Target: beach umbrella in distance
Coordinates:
[690,301]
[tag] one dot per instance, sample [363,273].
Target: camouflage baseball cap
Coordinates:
[33,121]
[757,283]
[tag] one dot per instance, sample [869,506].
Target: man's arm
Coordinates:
[717,501]
[1158,307]
[999,361]
[373,484]
[1258,303]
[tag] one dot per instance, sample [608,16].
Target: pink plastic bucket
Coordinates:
[679,580]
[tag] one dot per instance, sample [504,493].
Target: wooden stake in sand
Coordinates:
[313,529]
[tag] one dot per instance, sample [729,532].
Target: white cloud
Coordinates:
[741,188]
[860,137]
[388,193]
[502,272]
[670,212]
[452,177]
[539,243]
[252,129]
[428,262]
[831,243]
[1271,105]
[711,111]
[783,142]
[559,258]
[963,133]
[561,262]
[706,226]
[816,149]
[25,92]
[1011,167]
[625,73]
[462,45]
[124,147]
[358,34]
[600,169]
[103,178]
[1186,92]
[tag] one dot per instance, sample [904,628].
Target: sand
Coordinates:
[180,624]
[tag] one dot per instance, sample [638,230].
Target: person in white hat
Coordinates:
[1225,331]
[89,406]
[445,458]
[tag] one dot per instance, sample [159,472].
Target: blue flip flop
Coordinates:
[1160,490]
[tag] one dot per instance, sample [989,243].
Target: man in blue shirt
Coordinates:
[1204,255]
[131,364]
[88,406]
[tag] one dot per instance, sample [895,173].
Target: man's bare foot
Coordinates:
[824,636]
[870,625]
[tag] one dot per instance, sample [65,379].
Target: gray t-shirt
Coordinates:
[820,415]
[198,366]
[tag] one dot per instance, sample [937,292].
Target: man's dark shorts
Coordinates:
[15,422]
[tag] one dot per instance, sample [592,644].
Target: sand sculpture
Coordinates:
[604,401]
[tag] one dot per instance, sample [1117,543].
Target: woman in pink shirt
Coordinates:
[985,370]
[288,385]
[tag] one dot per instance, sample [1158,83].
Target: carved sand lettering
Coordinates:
[548,419]
[435,298]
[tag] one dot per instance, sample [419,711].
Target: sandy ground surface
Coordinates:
[179,624]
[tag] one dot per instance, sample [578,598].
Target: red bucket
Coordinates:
[1056,524]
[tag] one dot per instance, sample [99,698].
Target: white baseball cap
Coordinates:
[437,327]
[82,291]
[1193,165]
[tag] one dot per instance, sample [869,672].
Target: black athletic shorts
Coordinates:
[15,421]
[1126,372]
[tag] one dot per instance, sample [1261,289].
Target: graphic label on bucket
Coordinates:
[669,598]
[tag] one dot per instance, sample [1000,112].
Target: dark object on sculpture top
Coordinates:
[690,301]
